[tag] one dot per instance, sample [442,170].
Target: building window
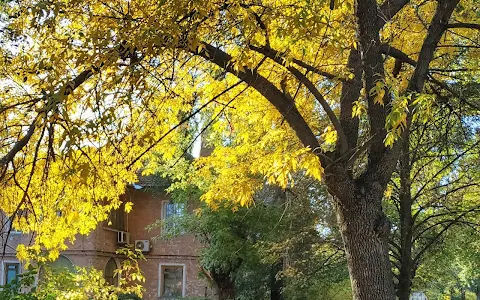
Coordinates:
[61,264]
[117,218]
[7,225]
[109,274]
[171,209]
[11,272]
[170,213]
[171,281]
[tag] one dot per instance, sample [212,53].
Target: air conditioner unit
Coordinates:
[122,237]
[142,245]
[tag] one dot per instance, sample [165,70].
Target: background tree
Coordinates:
[436,185]
[452,270]
[285,246]
[92,87]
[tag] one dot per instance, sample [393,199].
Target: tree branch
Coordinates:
[388,10]
[460,155]
[449,213]
[350,93]
[464,25]
[437,27]
[436,237]
[276,57]
[267,89]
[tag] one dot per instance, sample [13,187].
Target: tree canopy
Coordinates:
[92,89]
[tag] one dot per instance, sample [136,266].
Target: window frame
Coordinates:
[167,202]
[164,211]
[161,279]
[115,223]
[4,269]
[116,277]
[6,223]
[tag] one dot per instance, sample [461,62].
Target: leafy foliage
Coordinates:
[287,237]
[92,88]
[83,283]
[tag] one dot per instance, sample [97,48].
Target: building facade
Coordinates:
[171,268]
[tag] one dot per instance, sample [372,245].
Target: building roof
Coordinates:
[151,181]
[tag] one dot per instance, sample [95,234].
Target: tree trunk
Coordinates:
[365,229]
[406,264]
[226,291]
[406,221]
[225,286]
[276,284]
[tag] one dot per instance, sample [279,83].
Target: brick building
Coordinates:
[171,269]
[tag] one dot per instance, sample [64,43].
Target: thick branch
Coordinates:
[350,93]
[276,56]
[388,10]
[285,106]
[437,27]
[18,146]
[367,14]
[464,25]
[398,54]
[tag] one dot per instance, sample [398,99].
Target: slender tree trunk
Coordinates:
[406,222]
[226,290]
[225,286]
[477,292]
[276,284]
[406,263]
[365,230]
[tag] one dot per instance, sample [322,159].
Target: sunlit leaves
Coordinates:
[93,134]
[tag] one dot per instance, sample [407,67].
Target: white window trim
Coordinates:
[3,269]
[160,277]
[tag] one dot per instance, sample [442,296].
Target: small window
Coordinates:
[171,281]
[117,218]
[11,272]
[172,211]
[61,264]
[7,225]
[110,275]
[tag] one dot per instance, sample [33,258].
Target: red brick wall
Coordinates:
[100,245]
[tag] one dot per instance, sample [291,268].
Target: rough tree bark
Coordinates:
[364,230]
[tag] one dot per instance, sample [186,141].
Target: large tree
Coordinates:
[92,87]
